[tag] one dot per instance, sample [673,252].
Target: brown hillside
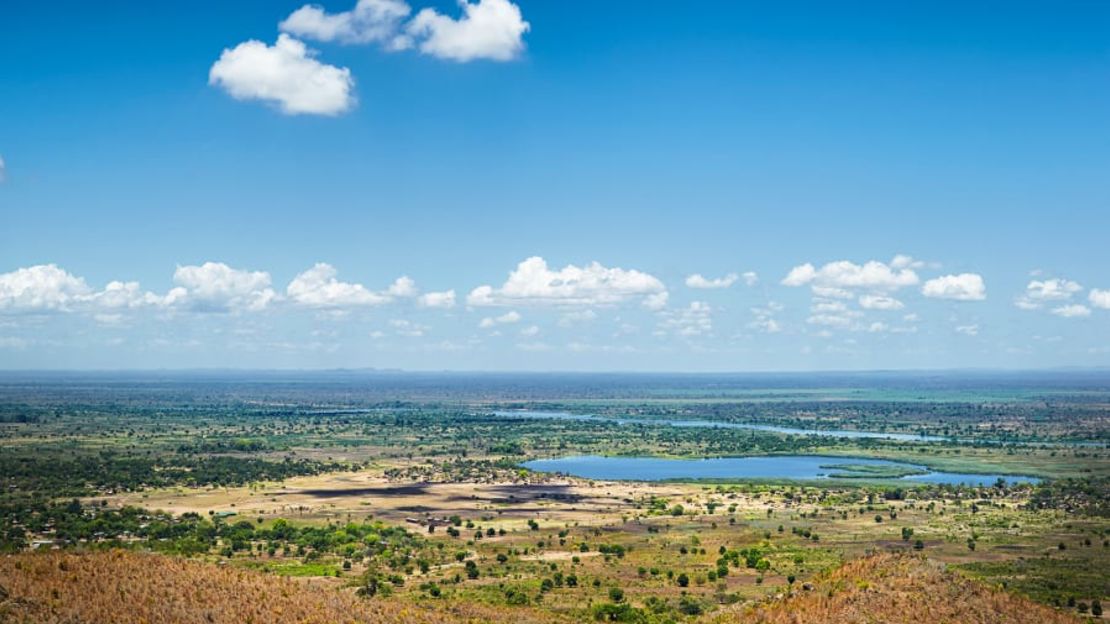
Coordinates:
[897,589]
[119,587]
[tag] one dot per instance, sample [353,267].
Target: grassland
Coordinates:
[412,499]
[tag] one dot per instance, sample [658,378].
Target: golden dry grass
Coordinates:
[119,587]
[897,589]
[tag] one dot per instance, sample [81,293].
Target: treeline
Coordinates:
[58,475]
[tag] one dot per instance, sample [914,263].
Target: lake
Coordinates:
[791,467]
[834,433]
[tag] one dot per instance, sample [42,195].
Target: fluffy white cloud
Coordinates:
[318,288]
[1037,292]
[216,287]
[370,21]
[488,29]
[751,278]
[445,299]
[285,74]
[968,330]
[128,295]
[533,283]
[41,287]
[962,287]
[842,275]
[403,286]
[1099,298]
[1072,310]
[511,316]
[697,281]
[47,287]
[880,302]
[529,331]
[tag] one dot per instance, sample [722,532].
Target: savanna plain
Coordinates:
[369,496]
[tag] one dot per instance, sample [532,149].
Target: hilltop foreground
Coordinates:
[121,587]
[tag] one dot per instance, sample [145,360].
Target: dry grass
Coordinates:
[119,587]
[897,589]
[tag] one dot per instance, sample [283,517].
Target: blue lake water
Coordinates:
[791,467]
[835,433]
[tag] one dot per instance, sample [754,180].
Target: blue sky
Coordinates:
[155,144]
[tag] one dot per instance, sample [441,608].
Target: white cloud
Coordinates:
[658,301]
[962,287]
[843,274]
[445,299]
[693,320]
[318,288]
[531,330]
[403,286]
[697,281]
[1039,291]
[216,287]
[751,278]
[766,325]
[511,316]
[3,170]
[533,283]
[880,302]
[1099,298]
[968,330]
[128,295]
[285,74]
[488,29]
[765,318]
[370,21]
[902,261]
[1073,310]
[47,287]
[41,287]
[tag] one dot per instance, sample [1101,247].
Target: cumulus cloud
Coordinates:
[370,21]
[511,316]
[962,287]
[46,287]
[128,295]
[533,283]
[751,278]
[287,75]
[1099,298]
[444,299]
[403,286]
[1037,292]
[217,287]
[697,281]
[880,302]
[318,288]
[1072,310]
[41,287]
[837,277]
[488,29]
[968,330]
